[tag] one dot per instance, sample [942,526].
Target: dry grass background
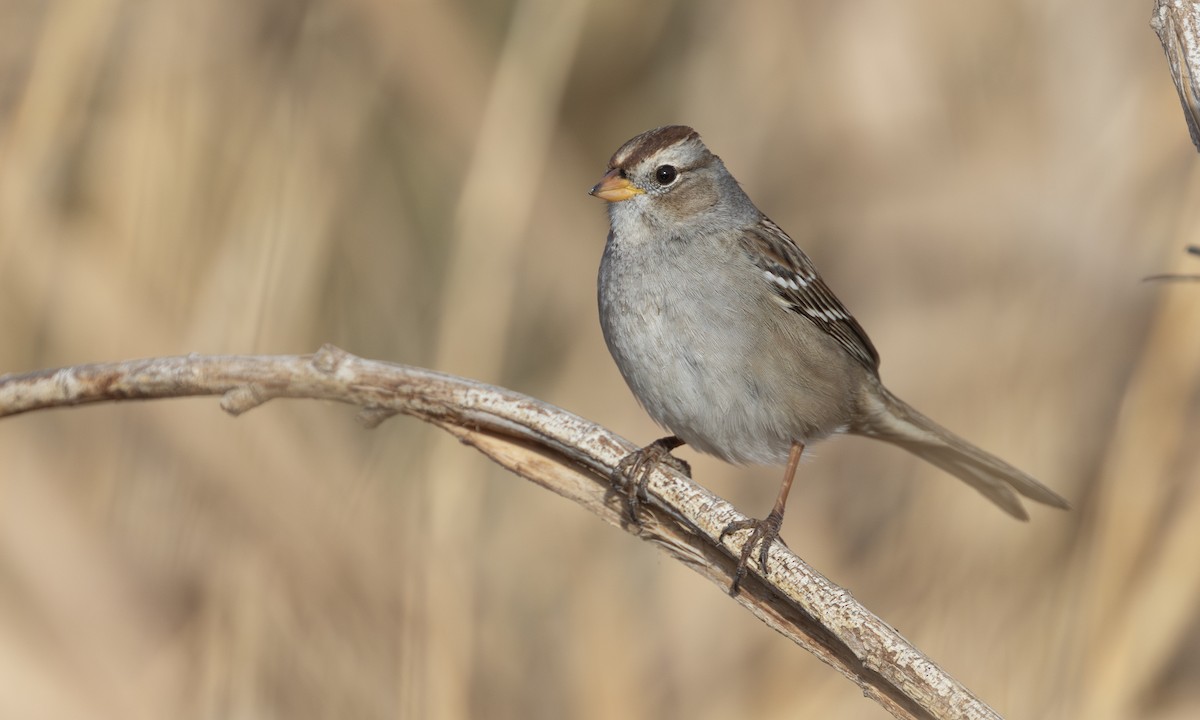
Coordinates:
[984,183]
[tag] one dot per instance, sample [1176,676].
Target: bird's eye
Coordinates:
[666,174]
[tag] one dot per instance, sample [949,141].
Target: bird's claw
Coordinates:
[632,474]
[763,533]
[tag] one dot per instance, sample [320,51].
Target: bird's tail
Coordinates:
[887,417]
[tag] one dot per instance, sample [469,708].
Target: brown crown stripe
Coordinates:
[649,143]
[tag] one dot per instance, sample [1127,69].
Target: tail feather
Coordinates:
[889,418]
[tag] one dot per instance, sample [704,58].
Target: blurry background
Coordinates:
[983,183]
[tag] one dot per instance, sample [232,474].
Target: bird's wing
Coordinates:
[801,289]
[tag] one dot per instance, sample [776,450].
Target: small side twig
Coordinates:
[562,452]
[1173,277]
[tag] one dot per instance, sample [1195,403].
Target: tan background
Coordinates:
[983,183]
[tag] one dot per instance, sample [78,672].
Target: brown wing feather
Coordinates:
[796,280]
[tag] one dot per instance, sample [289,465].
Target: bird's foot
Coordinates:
[633,472]
[763,533]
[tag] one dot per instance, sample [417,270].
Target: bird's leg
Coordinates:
[767,529]
[633,472]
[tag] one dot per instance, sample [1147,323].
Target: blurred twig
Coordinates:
[561,452]
[1177,23]
[1192,249]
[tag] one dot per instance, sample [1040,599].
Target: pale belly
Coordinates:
[735,398]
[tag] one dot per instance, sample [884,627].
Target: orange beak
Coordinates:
[614,188]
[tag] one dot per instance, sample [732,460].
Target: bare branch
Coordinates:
[561,452]
[1177,23]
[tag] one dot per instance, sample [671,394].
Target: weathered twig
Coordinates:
[561,452]
[1177,23]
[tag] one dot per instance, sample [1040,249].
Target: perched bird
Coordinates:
[729,337]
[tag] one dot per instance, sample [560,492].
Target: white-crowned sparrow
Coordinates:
[730,339]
